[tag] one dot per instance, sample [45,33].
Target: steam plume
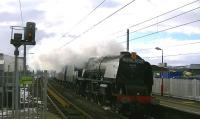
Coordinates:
[77,55]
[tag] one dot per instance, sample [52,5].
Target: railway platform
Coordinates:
[184,105]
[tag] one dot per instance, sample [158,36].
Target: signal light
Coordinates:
[17,40]
[29,32]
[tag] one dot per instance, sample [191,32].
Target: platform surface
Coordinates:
[185,105]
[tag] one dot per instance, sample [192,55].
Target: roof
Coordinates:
[194,66]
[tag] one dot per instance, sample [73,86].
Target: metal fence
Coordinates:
[181,88]
[32,98]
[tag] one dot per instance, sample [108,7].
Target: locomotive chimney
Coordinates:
[124,53]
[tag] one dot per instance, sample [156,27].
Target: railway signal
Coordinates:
[29,33]
[29,39]
[17,40]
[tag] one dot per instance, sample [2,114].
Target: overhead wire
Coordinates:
[161,21]
[90,13]
[167,29]
[140,22]
[162,30]
[82,19]
[113,13]
[137,24]
[164,13]
[101,21]
[165,20]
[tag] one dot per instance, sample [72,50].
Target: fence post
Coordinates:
[45,95]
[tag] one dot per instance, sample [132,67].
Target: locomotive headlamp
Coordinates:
[133,55]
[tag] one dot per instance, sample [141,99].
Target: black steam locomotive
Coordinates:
[123,82]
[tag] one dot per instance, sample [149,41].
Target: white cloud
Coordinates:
[59,16]
[175,52]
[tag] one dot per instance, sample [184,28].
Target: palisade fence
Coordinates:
[180,88]
[32,98]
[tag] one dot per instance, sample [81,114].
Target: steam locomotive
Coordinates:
[123,82]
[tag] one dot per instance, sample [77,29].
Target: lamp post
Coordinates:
[161,87]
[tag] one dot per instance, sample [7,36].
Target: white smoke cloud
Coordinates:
[57,58]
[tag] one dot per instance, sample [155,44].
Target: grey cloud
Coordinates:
[194,59]
[6,17]
[111,4]
[40,34]
[29,11]
[7,48]
[25,4]
[181,61]
[5,45]
[33,15]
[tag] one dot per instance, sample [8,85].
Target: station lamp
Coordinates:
[162,85]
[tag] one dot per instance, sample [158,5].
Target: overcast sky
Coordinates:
[62,39]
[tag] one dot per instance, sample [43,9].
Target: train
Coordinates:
[122,82]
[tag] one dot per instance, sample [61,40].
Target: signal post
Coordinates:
[17,41]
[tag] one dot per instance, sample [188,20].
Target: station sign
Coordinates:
[26,80]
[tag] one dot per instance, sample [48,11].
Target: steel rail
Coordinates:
[85,114]
[57,108]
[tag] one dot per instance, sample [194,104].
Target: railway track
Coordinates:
[65,108]
[92,109]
